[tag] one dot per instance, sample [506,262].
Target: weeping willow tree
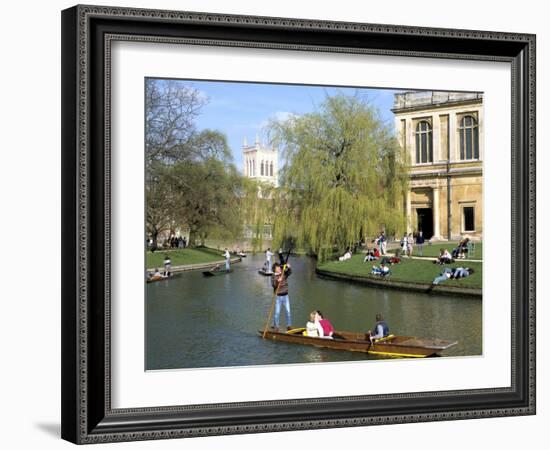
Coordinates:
[344,176]
[256,206]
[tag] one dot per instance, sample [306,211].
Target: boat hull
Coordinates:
[214,273]
[391,347]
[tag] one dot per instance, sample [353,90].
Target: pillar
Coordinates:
[408,210]
[435,199]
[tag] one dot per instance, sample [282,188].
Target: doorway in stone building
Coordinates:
[425,222]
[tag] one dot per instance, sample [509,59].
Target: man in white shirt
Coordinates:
[268,255]
[227,256]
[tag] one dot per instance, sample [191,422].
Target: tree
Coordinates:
[204,198]
[344,176]
[256,207]
[172,141]
[171,134]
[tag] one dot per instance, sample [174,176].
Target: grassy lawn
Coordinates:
[182,257]
[409,270]
[433,249]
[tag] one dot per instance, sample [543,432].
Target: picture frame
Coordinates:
[87,413]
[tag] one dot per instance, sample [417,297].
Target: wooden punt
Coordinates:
[213,273]
[161,278]
[390,346]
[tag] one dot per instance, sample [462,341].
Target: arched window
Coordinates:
[469,139]
[262,169]
[424,145]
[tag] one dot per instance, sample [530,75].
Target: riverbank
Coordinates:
[411,274]
[432,249]
[186,259]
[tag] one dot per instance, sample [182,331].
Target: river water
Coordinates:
[193,321]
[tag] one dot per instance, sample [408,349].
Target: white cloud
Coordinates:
[281,116]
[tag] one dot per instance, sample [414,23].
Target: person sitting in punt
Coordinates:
[444,257]
[156,275]
[383,270]
[381,328]
[313,327]
[328,329]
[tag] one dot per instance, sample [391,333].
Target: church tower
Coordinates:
[260,163]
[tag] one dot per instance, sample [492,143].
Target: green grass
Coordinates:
[409,270]
[182,257]
[433,249]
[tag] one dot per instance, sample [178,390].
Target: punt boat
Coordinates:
[390,346]
[213,273]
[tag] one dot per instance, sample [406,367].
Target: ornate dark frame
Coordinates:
[87,32]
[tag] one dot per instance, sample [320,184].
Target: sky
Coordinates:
[241,109]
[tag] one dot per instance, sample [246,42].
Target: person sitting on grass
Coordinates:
[461,249]
[346,255]
[370,255]
[444,257]
[313,327]
[448,273]
[381,328]
[328,329]
[383,270]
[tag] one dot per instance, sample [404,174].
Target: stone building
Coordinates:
[261,163]
[442,133]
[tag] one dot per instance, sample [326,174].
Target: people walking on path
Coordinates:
[420,243]
[279,282]
[410,242]
[381,240]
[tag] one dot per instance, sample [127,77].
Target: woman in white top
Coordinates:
[313,327]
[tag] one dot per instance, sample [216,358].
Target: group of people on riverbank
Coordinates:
[178,242]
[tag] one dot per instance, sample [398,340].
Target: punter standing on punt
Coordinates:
[279,281]
[227,256]
[381,328]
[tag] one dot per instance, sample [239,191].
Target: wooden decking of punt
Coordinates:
[391,346]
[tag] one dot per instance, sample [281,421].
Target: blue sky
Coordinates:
[241,109]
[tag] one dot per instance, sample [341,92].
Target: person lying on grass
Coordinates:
[383,270]
[456,273]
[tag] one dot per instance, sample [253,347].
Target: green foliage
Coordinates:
[256,206]
[204,194]
[343,179]
[182,257]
